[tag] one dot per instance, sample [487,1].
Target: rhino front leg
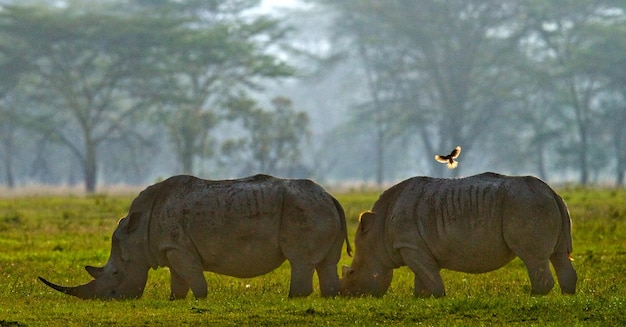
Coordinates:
[428,280]
[179,286]
[301,279]
[186,272]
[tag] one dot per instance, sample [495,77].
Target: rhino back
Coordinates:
[458,221]
[244,227]
[232,225]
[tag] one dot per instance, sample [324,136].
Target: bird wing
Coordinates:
[441,158]
[455,153]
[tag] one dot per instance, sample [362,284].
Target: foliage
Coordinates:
[56,236]
[79,73]
[443,73]
[433,69]
[93,76]
[216,54]
[524,86]
[274,137]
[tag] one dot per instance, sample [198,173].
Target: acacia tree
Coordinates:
[274,137]
[218,53]
[453,69]
[437,65]
[81,65]
[559,33]
[600,59]
[11,66]
[384,66]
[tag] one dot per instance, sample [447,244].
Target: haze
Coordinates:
[342,92]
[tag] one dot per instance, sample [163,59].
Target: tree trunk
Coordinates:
[582,156]
[186,155]
[380,160]
[618,137]
[90,167]
[9,151]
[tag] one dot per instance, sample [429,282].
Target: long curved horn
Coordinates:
[86,291]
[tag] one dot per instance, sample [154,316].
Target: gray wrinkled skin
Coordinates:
[241,228]
[475,224]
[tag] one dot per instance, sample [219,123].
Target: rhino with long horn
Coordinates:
[474,225]
[242,228]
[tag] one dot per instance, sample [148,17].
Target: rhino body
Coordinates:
[241,228]
[475,224]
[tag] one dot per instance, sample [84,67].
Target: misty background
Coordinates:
[351,91]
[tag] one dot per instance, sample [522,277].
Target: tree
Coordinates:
[601,58]
[217,54]
[447,71]
[274,138]
[559,32]
[81,66]
[13,65]
[435,66]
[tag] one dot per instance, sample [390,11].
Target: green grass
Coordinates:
[56,237]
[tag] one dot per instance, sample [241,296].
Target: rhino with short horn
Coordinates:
[242,228]
[474,225]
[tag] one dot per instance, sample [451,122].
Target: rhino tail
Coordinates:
[565,240]
[344,227]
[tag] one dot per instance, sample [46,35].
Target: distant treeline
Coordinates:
[126,91]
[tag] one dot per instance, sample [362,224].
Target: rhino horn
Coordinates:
[86,291]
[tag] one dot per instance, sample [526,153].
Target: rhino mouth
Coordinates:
[86,291]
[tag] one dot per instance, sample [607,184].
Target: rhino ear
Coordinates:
[366,220]
[95,272]
[133,221]
[345,270]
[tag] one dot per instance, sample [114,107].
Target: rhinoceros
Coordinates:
[474,225]
[242,228]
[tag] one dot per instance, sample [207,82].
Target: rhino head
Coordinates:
[125,274]
[367,275]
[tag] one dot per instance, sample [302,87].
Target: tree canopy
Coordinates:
[502,77]
[94,76]
[337,90]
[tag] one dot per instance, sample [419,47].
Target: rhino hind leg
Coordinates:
[565,272]
[301,279]
[541,279]
[428,280]
[186,271]
[328,278]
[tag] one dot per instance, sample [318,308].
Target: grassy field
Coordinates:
[56,236]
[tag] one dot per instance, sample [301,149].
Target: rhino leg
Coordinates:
[428,280]
[541,279]
[329,280]
[186,270]
[180,288]
[327,269]
[301,279]
[565,272]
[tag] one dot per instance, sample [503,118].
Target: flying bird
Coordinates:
[449,159]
